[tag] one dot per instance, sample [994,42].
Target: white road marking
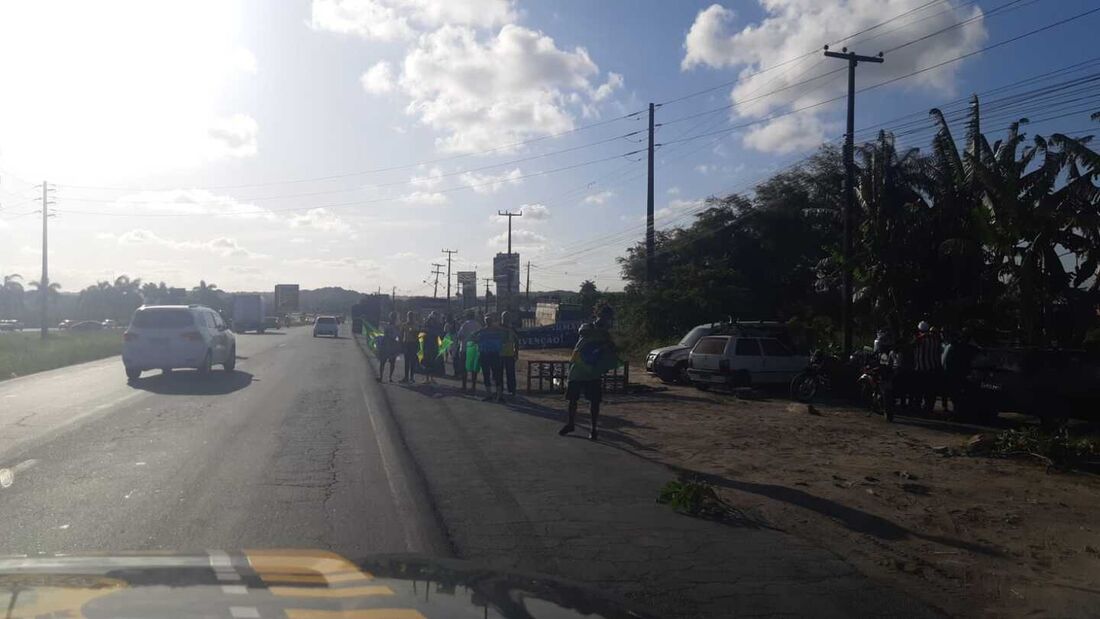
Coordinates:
[244,612]
[117,401]
[228,576]
[219,559]
[24,465]
[234,589]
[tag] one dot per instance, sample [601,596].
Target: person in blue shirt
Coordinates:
[490,343]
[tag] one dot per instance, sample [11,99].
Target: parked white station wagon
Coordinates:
[742,360]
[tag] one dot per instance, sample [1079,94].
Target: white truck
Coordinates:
[248,313]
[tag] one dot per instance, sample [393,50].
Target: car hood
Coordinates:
[673,348]
[284,583]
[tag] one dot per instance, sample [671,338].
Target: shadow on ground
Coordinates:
[192,382]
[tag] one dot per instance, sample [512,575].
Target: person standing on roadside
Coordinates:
[509,353]
[490,342]
[410,345]
[449,331]
[465,335]
[430,347]
[593,356]
[389,347]
[926,361]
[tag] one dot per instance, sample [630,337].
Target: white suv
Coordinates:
[742,360]
[326,325]
[177,336]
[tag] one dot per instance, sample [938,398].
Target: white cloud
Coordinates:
[675,207]
[535,212]
[299,241]
[234,136]
[242,59]
[491,183]
[404,255]
[788,134]
[319,219]
[222,246]
[599,199]
[192,202]
[506,88]
[389,20]
[673,191]
[789,27]
[360,265]
[426,198]
[706,168]
[521,239]
[379,78]
[430,180]
[614,82]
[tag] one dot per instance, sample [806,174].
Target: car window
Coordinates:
[774,348]
[218,322]
[326,320]
[747,347]
[711,345]
[163,319]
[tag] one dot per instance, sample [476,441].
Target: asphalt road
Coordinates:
[287,451]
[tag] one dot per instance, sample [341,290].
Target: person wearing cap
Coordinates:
[490,343]
[927,364]
[510,351]
[593,356]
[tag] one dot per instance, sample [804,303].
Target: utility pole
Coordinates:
[449,252]
[44,282]
[437,272]
[849,186]
[528,293]
[487,280]
[508,289]
[649,240]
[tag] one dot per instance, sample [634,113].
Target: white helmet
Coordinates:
[923,326]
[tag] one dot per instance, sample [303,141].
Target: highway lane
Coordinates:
[288,451]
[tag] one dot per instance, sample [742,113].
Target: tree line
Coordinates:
[1002,237]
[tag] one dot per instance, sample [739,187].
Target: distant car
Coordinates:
[11,325]
[110,324]
[65,324]
[744,358]
[326,325]
[87,325]
[177,336]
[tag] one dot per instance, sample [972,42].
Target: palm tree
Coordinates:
[53,295]
[11,296]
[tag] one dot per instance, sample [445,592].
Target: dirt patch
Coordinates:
[975,536]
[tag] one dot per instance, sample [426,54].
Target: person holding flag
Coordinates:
[389,345]
[410,344]
[465,338]
[592,357]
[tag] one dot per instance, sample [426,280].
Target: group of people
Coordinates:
[928,367]
[487,345]
[490,346]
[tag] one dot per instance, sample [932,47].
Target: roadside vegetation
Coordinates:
[997,233]
[25,353]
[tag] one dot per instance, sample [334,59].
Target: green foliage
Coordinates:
[971,233]
[1058,447]
[25,353]
[693,497]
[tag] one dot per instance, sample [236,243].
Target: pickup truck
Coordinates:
[743,359]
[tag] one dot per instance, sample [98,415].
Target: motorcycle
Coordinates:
[816,378]
[875,389]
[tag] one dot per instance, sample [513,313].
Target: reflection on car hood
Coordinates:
[298,584]
[674,347]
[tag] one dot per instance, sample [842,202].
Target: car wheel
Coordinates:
[133,373]
[231,361]
[206,363]
[804,387]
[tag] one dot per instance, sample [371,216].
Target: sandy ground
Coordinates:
[974,536]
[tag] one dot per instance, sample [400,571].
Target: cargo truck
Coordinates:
[248,313]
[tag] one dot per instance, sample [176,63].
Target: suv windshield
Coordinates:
[163,319]
[694,335]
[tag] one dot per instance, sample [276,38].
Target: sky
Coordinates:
[348,142]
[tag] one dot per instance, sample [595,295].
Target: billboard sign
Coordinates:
[558,335]
[286,299]
[506,273]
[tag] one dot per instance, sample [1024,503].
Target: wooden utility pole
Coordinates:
[449,253]
[437,272]
[649,235]
[849,187]
[508,288]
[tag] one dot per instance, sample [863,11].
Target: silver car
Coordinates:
[177,336]
[326,325]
